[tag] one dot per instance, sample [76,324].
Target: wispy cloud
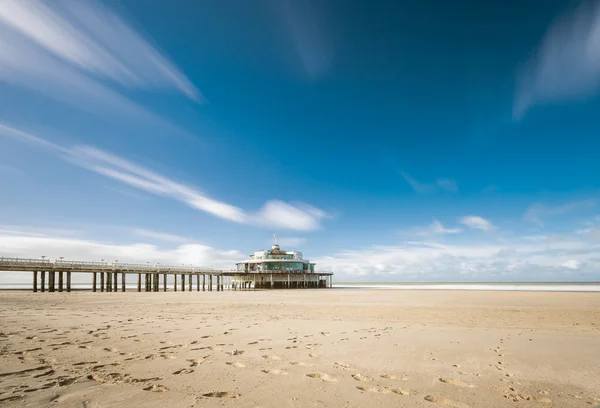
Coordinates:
[444,184]
[290,242]
[308,37]
[91,37]
[571,258]
[567,63]
[436,228]
[161,236]
[447,184]
[273,214]
[537,212]
[82,54]
[5,168]
[476,222]
[30,243]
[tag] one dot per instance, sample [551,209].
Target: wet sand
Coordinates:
[300,348]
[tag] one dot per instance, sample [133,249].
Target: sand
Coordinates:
[300,348]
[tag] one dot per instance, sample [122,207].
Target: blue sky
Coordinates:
[418,141]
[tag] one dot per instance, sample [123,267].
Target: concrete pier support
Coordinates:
[101,281]
[145,282]
[94,280]
[68,281]
[51,281]
[210,285]
[175,282]
[197,283]
[139,277]
[35,281]
[108,282]
[43,280]
[190,283]
[60,281]
[123,281]
[156,282]
[182,283]
[115,281]
[203,283]
[164,282]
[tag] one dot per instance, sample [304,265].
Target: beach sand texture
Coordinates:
[302,348]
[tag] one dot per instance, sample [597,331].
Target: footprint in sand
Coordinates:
[271,357]
[156,388]
[458,383]
[222,394]
[235,364]
[400,391]
[110,349]
[322,377]
[274,371]
[388,376]
[445,401]
[360,377]
[300,363]
[380,390]
[341,366]
[183,371]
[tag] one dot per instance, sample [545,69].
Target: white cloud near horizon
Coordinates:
[570,258]
[90,36]
[445,184]
[161,236]
[567,63]
[476,222]
[27,245]
[274,213]
[436,228]
[536,212]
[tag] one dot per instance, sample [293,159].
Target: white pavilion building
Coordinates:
[279,269]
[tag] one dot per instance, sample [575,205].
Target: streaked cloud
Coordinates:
[12,170]
[161,236]
[290,242]
[442,184]
[568,259]
[447,184]
[567,64]
[435,228]
[307,36]
[537,212]
[91,37]
[27,244]
[476,222]
[274,213]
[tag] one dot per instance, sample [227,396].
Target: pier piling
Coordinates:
[182,282]
[101,281]
[68,281]
[175,283]
[43,281]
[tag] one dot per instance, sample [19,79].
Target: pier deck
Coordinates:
[148,276]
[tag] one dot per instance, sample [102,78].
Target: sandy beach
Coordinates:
[302,348]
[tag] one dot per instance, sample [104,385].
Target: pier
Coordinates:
[56,276]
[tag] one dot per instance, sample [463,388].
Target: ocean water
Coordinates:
[500,286]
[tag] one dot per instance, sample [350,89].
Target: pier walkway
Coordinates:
[105,276]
